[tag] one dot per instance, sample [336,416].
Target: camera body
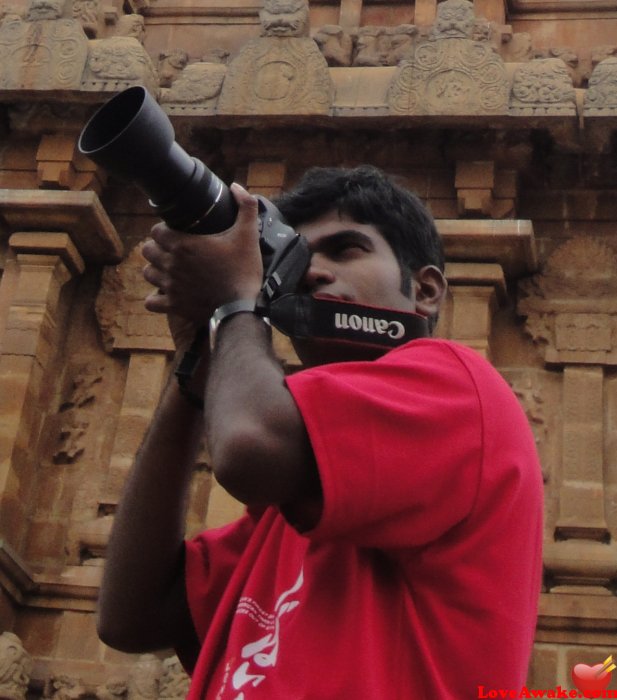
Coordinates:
[132,138]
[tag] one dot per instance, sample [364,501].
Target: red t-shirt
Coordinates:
[421,579]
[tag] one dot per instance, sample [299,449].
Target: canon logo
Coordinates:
[367,324]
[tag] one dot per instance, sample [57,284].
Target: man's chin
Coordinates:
[313,352]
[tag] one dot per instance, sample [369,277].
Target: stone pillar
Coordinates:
[475,292]
[572,315]
[581,495]
[145,379]
[46,261]
[350,15]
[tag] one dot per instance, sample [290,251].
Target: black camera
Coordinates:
[132,138]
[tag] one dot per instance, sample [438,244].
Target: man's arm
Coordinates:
[259,445]
[142,603]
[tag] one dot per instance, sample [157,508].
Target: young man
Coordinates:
[391,548]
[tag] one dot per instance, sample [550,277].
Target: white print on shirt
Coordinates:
[262,653]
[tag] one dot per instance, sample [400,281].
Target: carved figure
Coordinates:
[170,64]
[65,687]
[199,83]
[42,54]
[174,681]
[543,86]
[601,96]
[383,46]
[15,667]
[335,44]
[455,19]
[45,9]
[450,73]
[144,679]
[277,76]
[88,13]
[133,26]
[118,62]
[284,18]
[114,689]
[570,307]
[124,322]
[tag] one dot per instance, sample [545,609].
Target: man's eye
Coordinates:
[350,248]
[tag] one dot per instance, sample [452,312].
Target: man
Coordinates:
[391,546]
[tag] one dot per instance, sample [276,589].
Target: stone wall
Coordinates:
[501,115]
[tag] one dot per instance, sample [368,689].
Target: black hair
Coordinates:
[369,196]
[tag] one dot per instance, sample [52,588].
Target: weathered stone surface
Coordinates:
[451,72]
[273,75]
[601,95]
[117,63]
[125,324]
[542,87]
[195,90]
[42,54]
[571,306]
[15,667]
[383,46]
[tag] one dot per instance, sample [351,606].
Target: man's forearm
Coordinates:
[144,552]
[257,439]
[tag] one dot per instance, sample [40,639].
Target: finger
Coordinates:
[155,254]
[155,277]
[157,302]
[166,237]
[247,206]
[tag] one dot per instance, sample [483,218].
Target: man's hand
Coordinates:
[195,274]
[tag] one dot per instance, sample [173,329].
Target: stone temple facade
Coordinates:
[500,114]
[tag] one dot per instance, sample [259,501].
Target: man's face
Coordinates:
[352,262]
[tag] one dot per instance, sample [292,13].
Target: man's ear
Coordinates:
[430,288]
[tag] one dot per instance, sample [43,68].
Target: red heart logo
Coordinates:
[589,678]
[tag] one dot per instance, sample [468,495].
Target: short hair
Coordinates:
[369,196]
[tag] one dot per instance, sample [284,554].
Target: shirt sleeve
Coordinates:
[210,561]
[398,444]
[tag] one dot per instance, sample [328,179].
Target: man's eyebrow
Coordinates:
[338,238]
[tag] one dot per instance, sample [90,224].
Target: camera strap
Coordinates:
[304,316]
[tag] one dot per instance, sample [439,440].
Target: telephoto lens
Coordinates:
[132,138]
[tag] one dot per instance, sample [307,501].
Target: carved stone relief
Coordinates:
[117,63]
[143,683]
[197,88]
[543,87]
[42,54]
[125,324]
[281,73]
[529,393]
[89,14]
[132,26]
[601,96]
[113,689]
[383,46]
[174,681]
[571,308]
[285,18]
[15,667]
[170,64]
[335,43]
[64,687]
[450,72]
[277,76]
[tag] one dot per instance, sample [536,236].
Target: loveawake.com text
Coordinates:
[557,692]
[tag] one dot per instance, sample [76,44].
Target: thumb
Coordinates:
[247,205]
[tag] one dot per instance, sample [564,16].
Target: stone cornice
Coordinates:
[73,588]
[539,6]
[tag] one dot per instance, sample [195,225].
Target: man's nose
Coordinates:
[318,274]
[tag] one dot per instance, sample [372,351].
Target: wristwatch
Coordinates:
[227,311]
